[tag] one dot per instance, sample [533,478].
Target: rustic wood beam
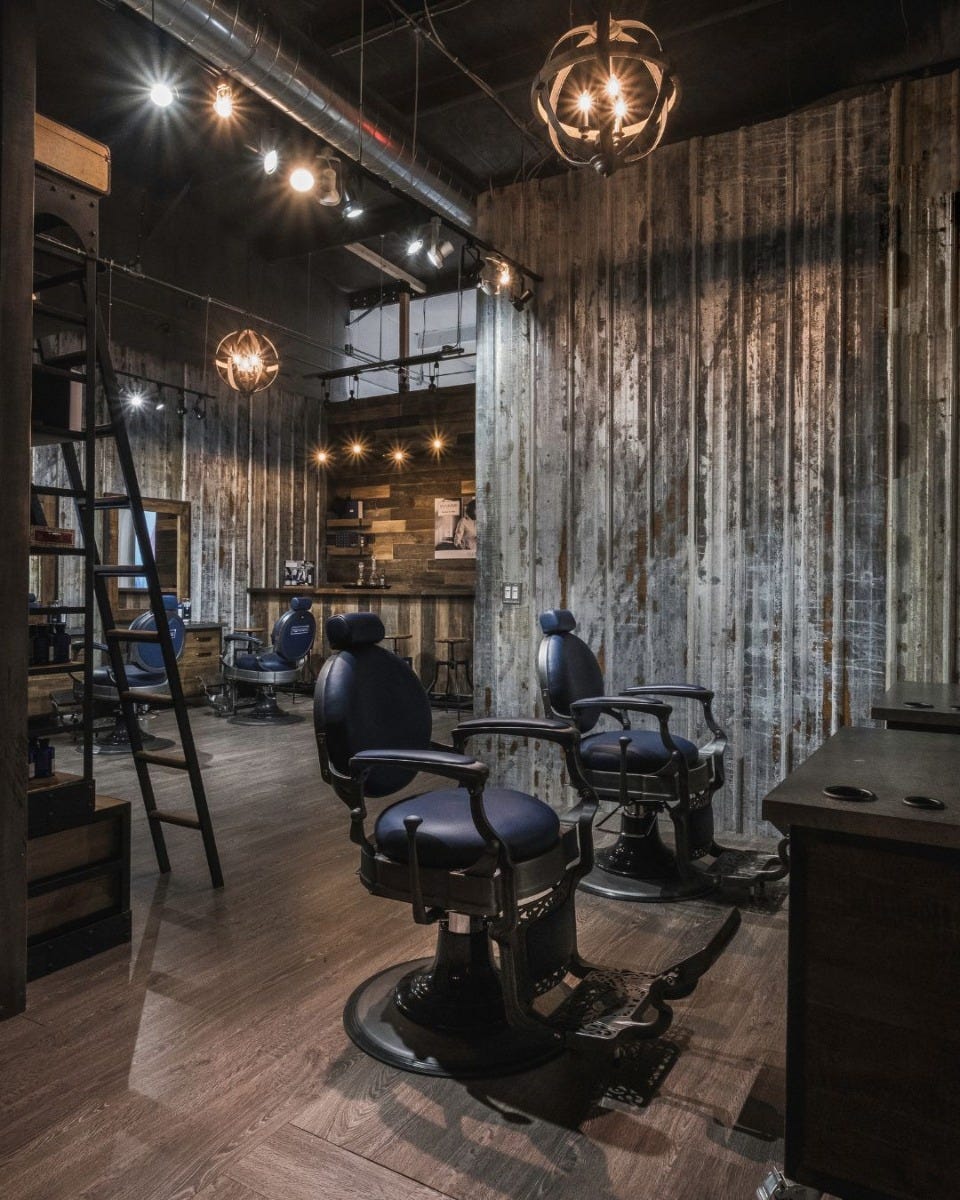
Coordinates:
[18,74]
[385,265]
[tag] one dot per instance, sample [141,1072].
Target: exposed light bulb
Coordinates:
[613,86]
[161,94]
[302,180]
[398,455]
[322,457]
[584,102]
[357,449]
[620,109]
[271,161]
[136,399]
[223,103]
[438,443]
[505,275]
[415,244]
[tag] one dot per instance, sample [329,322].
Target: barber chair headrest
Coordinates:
[347,630]
[300,603]
[170,603]
[558,620]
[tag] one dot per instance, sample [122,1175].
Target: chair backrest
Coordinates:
[568,669]
[148,655]
[369,699]
[294,632]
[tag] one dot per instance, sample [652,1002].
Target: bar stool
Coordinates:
[399,637]
[450,662]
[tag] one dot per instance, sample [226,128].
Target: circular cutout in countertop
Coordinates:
[846,791]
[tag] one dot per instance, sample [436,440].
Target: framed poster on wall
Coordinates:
[299,573]
[455,527]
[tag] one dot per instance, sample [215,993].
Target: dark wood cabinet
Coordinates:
[873,1020]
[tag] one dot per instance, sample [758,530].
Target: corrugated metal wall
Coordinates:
[741,361]
[256,499]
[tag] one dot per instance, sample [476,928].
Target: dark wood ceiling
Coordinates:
[740,62]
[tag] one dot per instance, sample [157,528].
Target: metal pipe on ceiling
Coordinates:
[258,57]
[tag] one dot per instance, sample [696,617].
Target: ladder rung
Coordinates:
[67,315]
[41,489]
[132,635]
[169,818]
[59,372]
[75,358]
[119,569]
[71,435]
[147,697]
[68,551]
[176,761]
[103,502]
[52,281]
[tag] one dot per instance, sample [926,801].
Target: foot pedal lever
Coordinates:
[681,979]
[776,1186]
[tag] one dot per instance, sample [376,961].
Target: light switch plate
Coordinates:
[511,593]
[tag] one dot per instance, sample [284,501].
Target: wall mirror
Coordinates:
[169,524]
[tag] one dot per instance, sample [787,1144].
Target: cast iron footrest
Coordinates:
[605,1003]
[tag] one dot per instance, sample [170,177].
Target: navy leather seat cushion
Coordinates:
[266,662]
[136,677]
[645,754]
[449,839]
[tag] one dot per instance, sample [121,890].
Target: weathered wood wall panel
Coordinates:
[399,501]
[245,469]
[741,361]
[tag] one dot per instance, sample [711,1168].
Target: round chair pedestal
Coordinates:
[444,1016]
[117,741]
[639,866]
[265,711]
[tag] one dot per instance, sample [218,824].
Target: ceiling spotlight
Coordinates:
[162,94]
[495,275]
[352,210]
[136,399]
[182,404]
[329,180]
[159,404]
[415,243]
[198,411]
[521,299]
[640,91]
[223,102]
[302,179]
[271,161]
[437,251]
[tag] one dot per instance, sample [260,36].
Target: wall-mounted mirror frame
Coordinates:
[172,548]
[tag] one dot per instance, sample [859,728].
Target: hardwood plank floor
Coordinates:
[208,1059]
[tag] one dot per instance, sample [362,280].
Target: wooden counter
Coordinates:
[426,614]
[873,1007]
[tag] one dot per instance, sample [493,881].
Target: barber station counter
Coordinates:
[425,613]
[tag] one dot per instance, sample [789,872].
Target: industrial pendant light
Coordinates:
[605,93]
[247,361]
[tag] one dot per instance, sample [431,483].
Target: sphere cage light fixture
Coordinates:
[605,93]
[247,361]
[495,275]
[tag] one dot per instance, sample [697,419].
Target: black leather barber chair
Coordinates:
[645,772]
[489,866]
[146,675]
[247,668]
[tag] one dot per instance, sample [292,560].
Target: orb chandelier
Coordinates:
[605,93]
[247,361]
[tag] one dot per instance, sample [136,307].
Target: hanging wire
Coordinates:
[381,296]
[416,88]
[363,46]
[206,340]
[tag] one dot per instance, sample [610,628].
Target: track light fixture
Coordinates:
[329,180]
[181,404]
[415,243]
[495,275]
[521,297]
[223,100]
[437,250]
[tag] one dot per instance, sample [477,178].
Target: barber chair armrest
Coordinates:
[465,770]
[568,738]
[688,691]
[561,732]
[247,638]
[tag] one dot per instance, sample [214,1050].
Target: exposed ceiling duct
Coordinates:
[257,57]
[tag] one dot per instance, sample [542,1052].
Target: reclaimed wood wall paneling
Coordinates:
[696,454]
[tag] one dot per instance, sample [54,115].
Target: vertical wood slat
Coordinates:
[744,376]
[17,103]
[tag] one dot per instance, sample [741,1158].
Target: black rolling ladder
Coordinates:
[80,281]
